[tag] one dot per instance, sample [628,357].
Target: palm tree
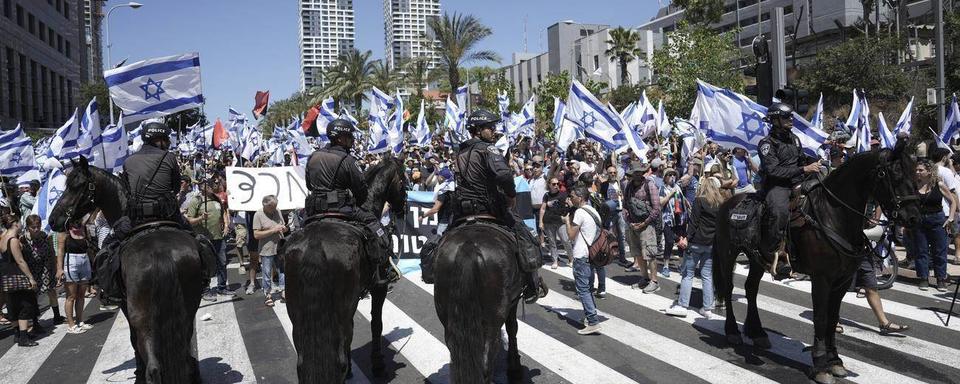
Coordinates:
[456,38]
[622,47]
[384,77]
[348,80]
[417,73]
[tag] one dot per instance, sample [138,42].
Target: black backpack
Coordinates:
[744,222]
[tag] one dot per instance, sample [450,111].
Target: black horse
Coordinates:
[328,269]
[478,286]
[161,272]
[828,246]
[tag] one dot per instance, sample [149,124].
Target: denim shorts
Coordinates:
[77,268]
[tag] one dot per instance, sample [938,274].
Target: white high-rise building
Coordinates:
[326,31]
[405,24]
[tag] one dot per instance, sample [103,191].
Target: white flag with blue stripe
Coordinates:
[887,138]
[503,103]
[521,124]
[453,121]
[951,125]
[648,117]
[136,140]
[566,131]
[63,146]
[50,192]
[818,115]
[115,148]
[380,105]
[421,132]
[663,123]
[156,87]
[91,136]
[596,120]
[7,136]
[16,154]
[905,123]
[727,118]
[395,132]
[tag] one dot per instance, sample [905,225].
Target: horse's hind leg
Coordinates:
[751,325]
[822,327]
[836,299]
[378,294]
[514,369]
[727,262]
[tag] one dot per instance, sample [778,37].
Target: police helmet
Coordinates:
[480,119]
[339,127]
[779,110]
[155,130]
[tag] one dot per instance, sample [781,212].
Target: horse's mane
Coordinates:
[854,168]
[373,176]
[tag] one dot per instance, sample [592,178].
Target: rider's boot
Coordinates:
[387,271]
[427,257]
[774,257]
[535,287]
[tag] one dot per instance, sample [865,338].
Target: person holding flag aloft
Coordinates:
[782,166]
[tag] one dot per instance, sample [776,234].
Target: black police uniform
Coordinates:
[781,168]
[336,185]
[153,177]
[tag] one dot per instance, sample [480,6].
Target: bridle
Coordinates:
[85,200]
[882,175]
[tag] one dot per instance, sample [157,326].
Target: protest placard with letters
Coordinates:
[246,187]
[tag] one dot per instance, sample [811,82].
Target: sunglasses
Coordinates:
[554,183]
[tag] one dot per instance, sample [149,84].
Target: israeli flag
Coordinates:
[453,120]
[631,116]
[648,116]
[503,103]
[951,126]
[156,87]
[461,94]
[818,115]
[727,118]
[136,141]
[16,155]
[811,138]
[663,123]
[860,118]
[115,148]
[252,144]
[300,143]
[380,105]
[887,138]
[63,146]
[905,123]
[566,131]
[596,120]
[940,142]
[522,123]
[7,136]
[421,133]
[691,138]
[633,140]
[50,192]
[395,132]
[91,135]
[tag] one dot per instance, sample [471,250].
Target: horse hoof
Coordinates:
[734,340]
[824,378]
[762,342]
[838,371]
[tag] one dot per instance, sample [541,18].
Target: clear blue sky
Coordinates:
[250,45]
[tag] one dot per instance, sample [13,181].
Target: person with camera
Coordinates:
[642,203]
[582,227]
[552,210]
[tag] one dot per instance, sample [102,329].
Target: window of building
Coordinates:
[11,89]
[24,112]
[66,12]
[69,53]
[69,95]
[31,23]
[583,33]
[50,35]
[765,16]
[60,43]
[43,31]
[669,28]
[59,5]
[7,8]
[788,9]
[596,62]
[19,15]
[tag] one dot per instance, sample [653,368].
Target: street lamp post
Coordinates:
[106,21]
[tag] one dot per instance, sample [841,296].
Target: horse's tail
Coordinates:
[165,339]
[320,291]
[724,252]
[468,310]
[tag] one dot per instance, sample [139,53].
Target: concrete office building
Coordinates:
[580,50]
[326,31]
[92,29]
[405,27]
[42,61]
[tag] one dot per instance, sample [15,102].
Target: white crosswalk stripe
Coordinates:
[548,340]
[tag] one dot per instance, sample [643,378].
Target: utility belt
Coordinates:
[473,207]
[160,209]
[318,202]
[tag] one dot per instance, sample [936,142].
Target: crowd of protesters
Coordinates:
[662,206]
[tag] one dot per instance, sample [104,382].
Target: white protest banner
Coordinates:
[247,187]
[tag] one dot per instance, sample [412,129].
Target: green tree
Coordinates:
[349,80]
[625,94]
[622,47]
[489,81]
[457,38]
[701,12]
[99,90]
[385,78]
[282,112]
[695,52]
[874,70]
[183,119]
[557,86]
[417,74]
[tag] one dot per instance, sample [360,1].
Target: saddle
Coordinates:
[374,246]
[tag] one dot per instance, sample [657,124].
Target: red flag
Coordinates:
[220,135]
[260,103]
[309,125]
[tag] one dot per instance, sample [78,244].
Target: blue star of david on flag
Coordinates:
[588,120]
[15,159]
[146,89]
[752,126]
[54,195]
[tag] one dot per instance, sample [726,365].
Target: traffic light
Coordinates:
[797,98]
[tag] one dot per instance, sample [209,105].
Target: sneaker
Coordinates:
[76,330]
[590,329]
[706,313]
[226,292]
[249,289]
[652,287]
[665,271]
[107,307]
[941,285]
[602,295]
[677,310]
[85,326]
[631,269]
[924,285]
[209,296]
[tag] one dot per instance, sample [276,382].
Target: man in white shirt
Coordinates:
[583,229]
[538,187]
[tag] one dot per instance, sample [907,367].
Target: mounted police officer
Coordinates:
[337,187]
[485,186]
[782,167]
[152,177]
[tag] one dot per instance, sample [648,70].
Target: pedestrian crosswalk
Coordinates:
[240,340]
